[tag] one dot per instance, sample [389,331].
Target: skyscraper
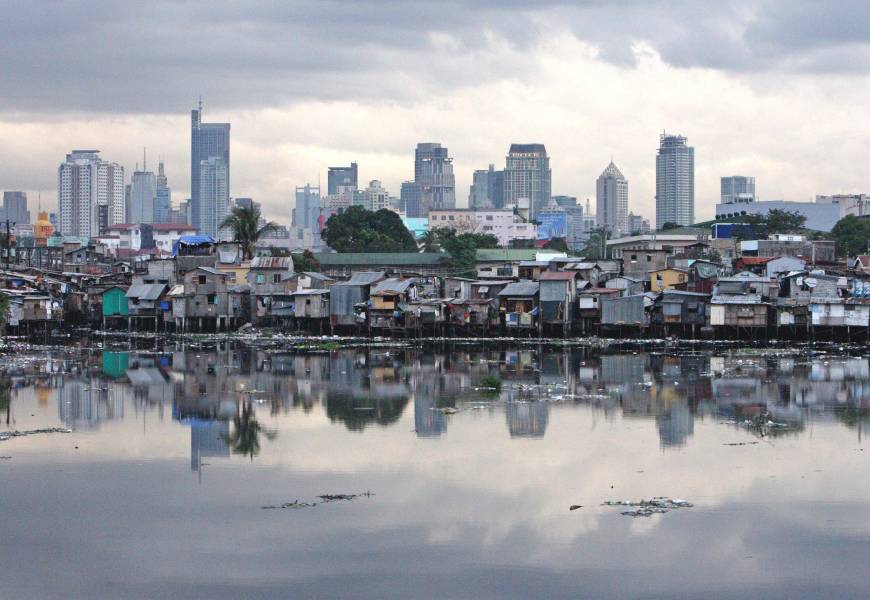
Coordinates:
[487,189]
[433,170]
[376,197]
[411,199]
[163,207]
[213,189]
[207,140]
[574,214]
[527,175]
[675,181]
[90,194]
[341,177]
[15,207]
[307,211]
[611,207]
[143,197]
[738,189]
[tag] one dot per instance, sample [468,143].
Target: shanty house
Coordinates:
[677,309]
[348,299]
[388,300]
[558,298]
[518,303]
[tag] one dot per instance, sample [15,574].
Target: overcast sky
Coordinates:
[774,88]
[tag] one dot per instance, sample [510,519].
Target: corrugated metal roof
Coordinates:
[177,290]
[520,288]
[393,286]
[534,263]
[309,292]
[557,275]
[505,254]
[317,276]
[736,299]
[212,270]
[146,291]
[366,277]
[272,262]
[380,258]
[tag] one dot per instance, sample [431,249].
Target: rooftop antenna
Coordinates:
[144,159]
[200,103]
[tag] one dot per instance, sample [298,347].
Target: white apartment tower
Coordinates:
[90,194]
[611,207]
[214,180]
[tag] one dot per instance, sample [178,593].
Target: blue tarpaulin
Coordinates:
[191,240]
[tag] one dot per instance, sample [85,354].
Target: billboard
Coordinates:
[552,224]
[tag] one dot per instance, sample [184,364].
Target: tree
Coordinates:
[361,230]
[305,261]
[244,222]
[851,234]
[245,437]
[596,245]
[669,225]
[430,241]
[783,221]
[4,310]
[463,249]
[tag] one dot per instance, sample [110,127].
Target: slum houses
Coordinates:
[652,286]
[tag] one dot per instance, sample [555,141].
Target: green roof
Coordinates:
[506,254]
[380,258]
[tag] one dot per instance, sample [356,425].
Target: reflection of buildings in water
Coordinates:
[428,422]
[84,404]
[527,419]
[208,438]
[623,369]
[675,425]
[151,385]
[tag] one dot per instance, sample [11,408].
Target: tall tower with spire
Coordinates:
[611,207]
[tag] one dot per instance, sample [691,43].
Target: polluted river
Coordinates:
[222,468]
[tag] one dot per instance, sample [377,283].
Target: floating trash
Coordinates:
[7,435]
[324,498]
[647,508]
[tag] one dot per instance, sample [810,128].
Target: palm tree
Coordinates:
[430,241]
[245,438]
[244,222]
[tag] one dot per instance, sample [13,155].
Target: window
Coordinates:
[276,278]
[634,258]
[451,217]
[212,298]
[201,279]
[261,278]
[489,217]
[649,258]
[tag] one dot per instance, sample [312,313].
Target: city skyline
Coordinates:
[285,135]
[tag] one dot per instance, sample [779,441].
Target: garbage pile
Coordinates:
[648,508]
[7,435]
[324,499]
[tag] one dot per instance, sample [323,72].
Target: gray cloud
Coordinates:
[157,57]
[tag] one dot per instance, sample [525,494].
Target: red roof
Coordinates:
[557,275]
[172,227]
[864,259]
[755,260]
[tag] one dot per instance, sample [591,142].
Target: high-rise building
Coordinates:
[433,170]
[213,189]
[15,207]
[527,175]
[411,199]
[163,206]
[487,189]
[738,189]
[376,197]
[574,214]
[611,207]
[675,181]
[90,194]
[207,140]
[307,211]
[143,197]
[342,177]
[637,225]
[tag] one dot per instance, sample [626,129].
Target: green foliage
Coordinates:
[305,261]
[463,249]
[430,241]
[851,234]
[783,221]
[490,385]
[668,225]
[4,310]
[557,245]
[244,222]
[361,230]
[596,245]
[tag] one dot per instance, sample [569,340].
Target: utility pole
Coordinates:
[8,243]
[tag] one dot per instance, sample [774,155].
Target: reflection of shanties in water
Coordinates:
[365,387]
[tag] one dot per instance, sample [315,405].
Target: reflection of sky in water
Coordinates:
[467,504]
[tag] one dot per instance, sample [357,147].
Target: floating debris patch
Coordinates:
[323,499]
[7,435]
[648,508]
